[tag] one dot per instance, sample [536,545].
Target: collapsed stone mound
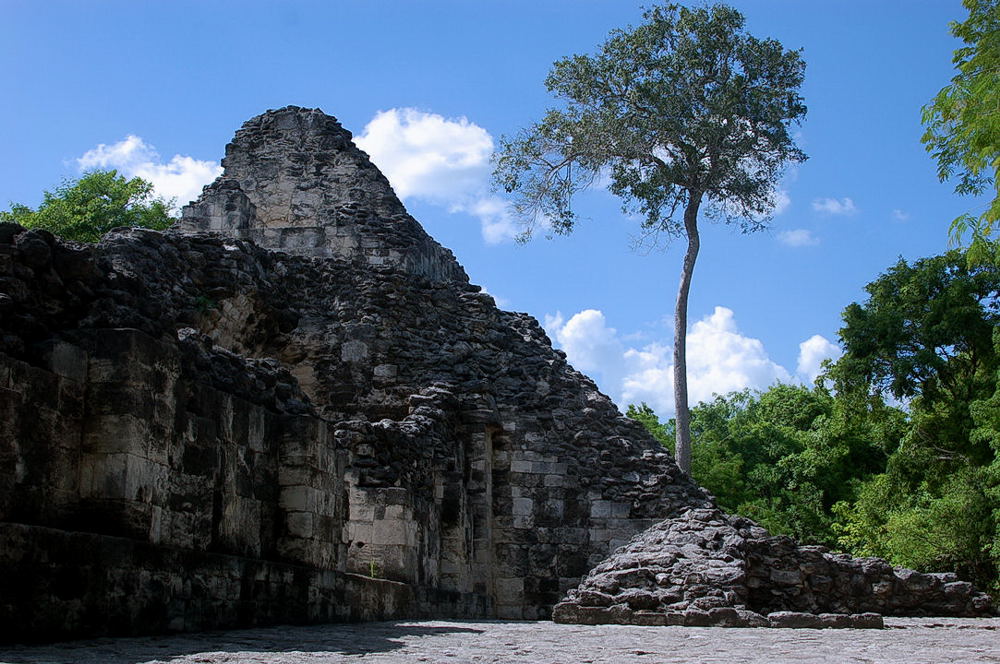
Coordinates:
[709,568]
[294,407]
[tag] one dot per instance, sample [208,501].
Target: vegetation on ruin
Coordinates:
[85,209]
[685,111]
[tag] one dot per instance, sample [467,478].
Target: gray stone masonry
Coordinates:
[295,181]
[710,568]
[295,407]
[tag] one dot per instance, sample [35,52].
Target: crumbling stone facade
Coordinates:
[710,568]
[294,406]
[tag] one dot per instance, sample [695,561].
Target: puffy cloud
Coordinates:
[812,352]
[498,224]
[426,155]
[798,238]
[130,152]
[843,206]
[720,359]
[781,201]
[181,178]
[589,343]
[649,377]
[900,215]
[444,161]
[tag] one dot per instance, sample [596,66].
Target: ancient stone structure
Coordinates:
[294,407]
[710,568]
[295,181]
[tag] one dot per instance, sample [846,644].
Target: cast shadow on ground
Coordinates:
[336,639]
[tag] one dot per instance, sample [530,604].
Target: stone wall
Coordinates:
[139,450]
[61,584]
[407,430]
[130,482]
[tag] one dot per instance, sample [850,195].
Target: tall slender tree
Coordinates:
[684,111]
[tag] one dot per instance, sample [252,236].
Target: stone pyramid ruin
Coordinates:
[295,407]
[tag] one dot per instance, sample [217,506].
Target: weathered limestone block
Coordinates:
[223,207]
[42,417]
[310,479]
[90,584]
[382,535]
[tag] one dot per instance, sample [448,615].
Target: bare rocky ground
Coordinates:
[909,640]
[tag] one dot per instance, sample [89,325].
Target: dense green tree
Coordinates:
[783,457]
[986,418]
[927,336]
[645,416]
[684,111]
[962,129]
[85,209]
[948,527]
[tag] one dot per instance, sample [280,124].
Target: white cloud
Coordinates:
[720,359]
[426,155]
[181,178]
[798,237]
[552,324]
[843,206]
[900,215]
[781,201]
[444,161]
[650,378]
[498,224]
[812,352]
[590,345]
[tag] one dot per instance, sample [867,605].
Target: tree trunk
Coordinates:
[682,414]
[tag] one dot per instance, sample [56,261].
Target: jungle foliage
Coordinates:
[85,209]
[962,131]
[895,451]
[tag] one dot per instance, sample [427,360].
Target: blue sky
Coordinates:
[427,87]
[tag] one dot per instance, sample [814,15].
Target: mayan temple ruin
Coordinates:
[295,407]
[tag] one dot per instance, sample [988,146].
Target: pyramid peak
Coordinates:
[294,180]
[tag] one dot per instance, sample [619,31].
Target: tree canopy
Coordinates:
[926,327]
[783,457]
[925,336]
[685,106]
[85,209]
[963,123]
[685,109]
